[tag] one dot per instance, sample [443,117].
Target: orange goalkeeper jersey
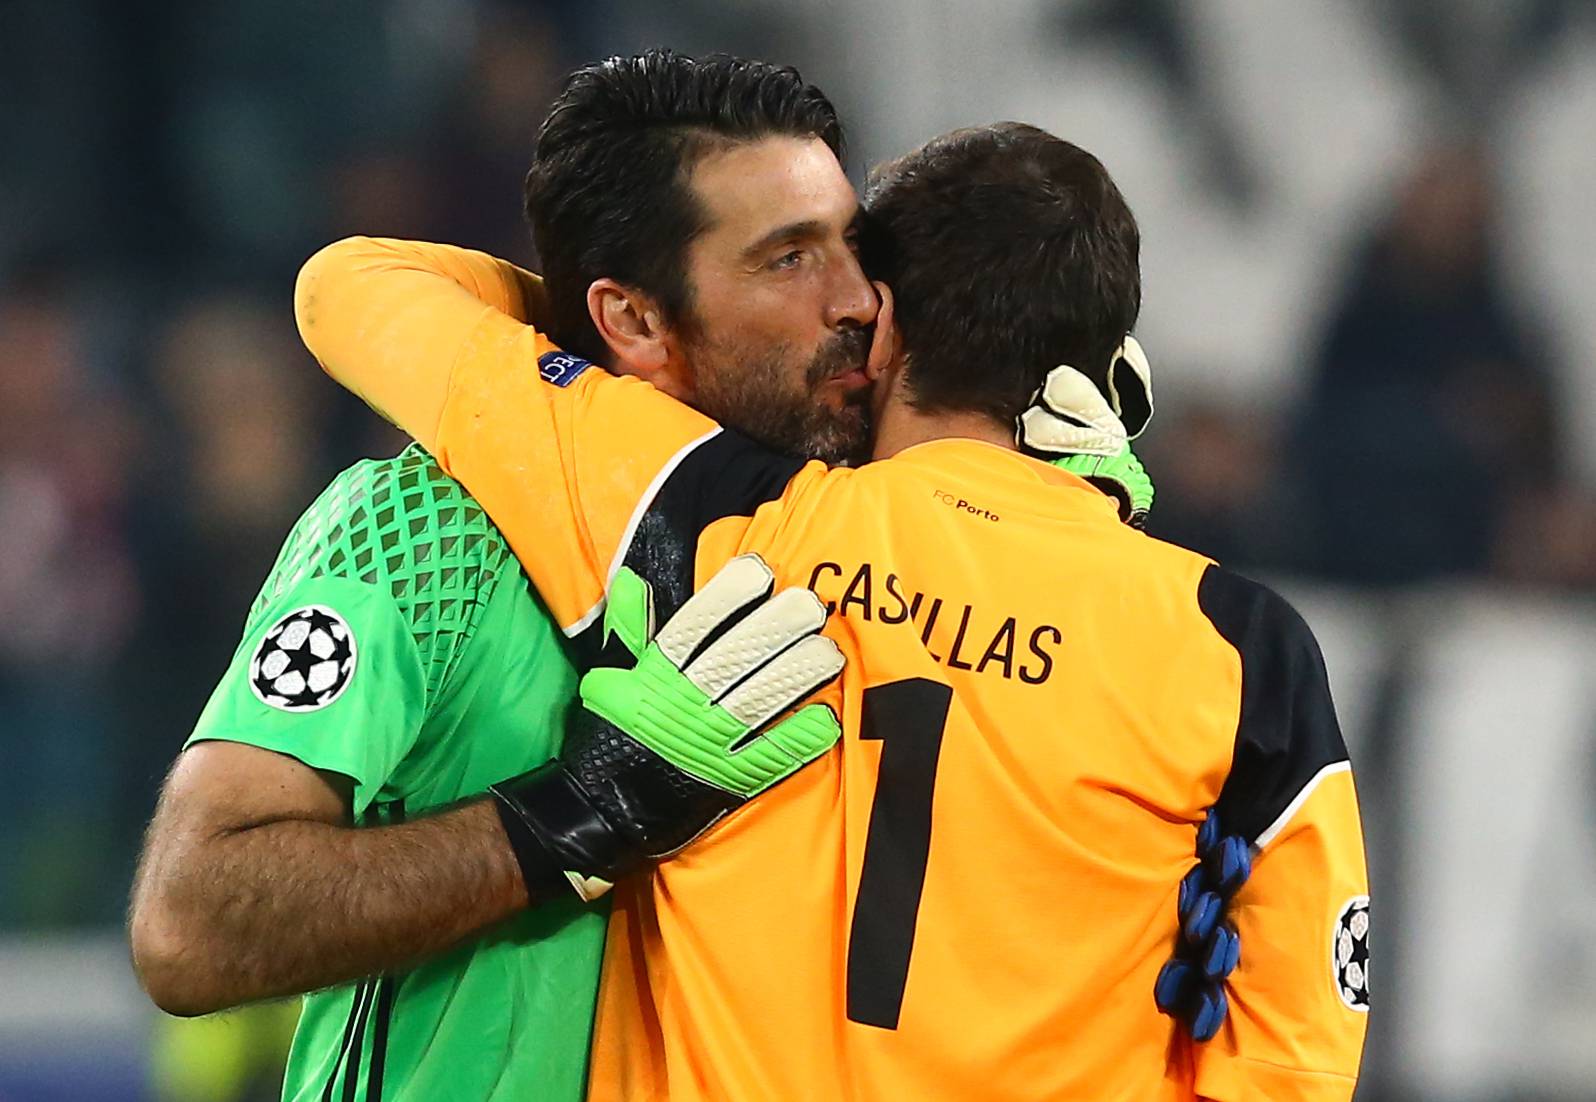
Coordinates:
[971,899]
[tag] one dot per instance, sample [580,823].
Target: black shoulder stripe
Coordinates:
[1287,734]
[387,992]
[357,1004]
[727,475]
[358,1049]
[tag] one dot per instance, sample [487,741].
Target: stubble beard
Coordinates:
[752,392]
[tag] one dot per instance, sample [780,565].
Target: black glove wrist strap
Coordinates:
[554,828]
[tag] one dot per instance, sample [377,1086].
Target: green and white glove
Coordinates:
[658,752]
[1075,426]
[1121,476]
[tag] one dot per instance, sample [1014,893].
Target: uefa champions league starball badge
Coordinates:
[305,662]
[1349,954]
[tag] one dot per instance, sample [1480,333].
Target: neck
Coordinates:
[901,426]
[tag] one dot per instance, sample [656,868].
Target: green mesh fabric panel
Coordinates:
[404,524]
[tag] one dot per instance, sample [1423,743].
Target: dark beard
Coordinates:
[749,393]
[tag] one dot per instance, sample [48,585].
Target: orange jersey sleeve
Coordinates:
[389,319]
[565,457]
[1299,999]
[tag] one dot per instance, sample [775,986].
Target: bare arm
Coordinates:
[253,885]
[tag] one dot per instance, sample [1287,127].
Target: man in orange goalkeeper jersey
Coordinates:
[973,898]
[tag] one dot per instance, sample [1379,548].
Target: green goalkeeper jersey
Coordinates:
[397,642]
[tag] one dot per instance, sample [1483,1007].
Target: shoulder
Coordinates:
[388,521]
[1287,734]
[406,529]
[1252,617]
[721,474]
[724,473]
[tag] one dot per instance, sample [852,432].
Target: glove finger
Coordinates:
[783,681]
[756,640]
[1191,889]
[629,611]
[1130,387]
[1210,1012]
[795,741]
[1222,954]
[1175,984]
[1208,833]
[1069,394]
[1046,431]
[1230,864]
[738,586]
[1204,917]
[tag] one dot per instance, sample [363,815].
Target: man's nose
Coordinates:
[853,302]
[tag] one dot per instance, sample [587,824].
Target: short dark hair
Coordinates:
[608,194]
[1009,251]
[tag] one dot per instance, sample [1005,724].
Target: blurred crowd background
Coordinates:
[1370,305]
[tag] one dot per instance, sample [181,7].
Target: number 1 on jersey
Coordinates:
[908,717]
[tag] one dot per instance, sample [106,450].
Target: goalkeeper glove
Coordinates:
[1071,423]
[1191,985]
[657,753]
[1121,476]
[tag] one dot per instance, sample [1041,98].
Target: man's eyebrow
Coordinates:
[809,228]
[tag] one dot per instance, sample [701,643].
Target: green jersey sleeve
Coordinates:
[360,623]
[328,674]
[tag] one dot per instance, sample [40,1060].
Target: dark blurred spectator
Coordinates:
[56,132]
[242,452]
[1549,538]
[67,606]
[480,155]
[231,372]
[275,92]
[1430,411]
[383,193]
[462,180]
[1217,488]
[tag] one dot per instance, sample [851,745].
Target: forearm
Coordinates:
[286,907]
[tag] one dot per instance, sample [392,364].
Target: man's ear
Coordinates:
[633,327]
[885,342]
[885,363]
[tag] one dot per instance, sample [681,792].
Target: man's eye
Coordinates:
[789,259]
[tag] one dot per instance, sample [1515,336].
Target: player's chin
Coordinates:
[842,437]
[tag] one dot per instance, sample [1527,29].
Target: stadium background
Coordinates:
[1370,302]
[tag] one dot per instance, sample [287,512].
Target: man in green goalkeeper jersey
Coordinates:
[444,675]
[395,664]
